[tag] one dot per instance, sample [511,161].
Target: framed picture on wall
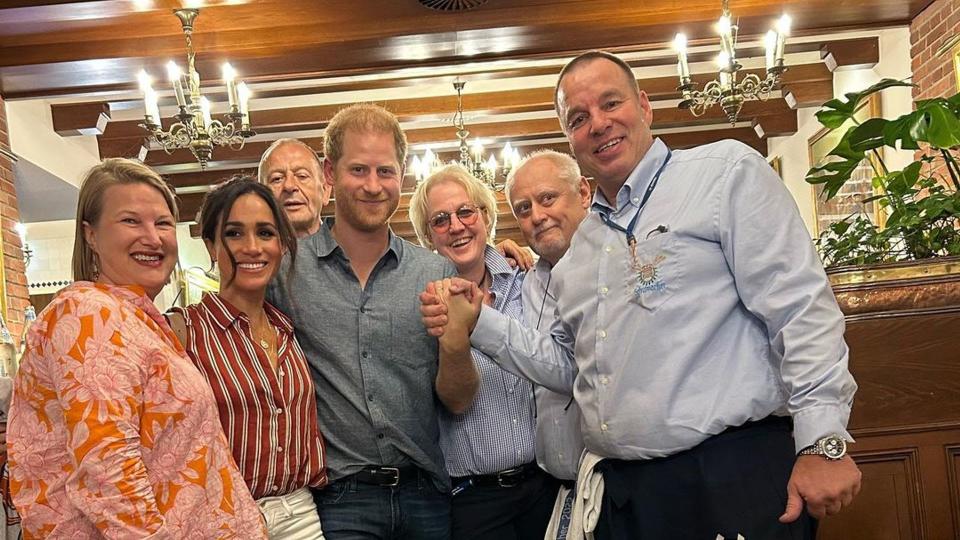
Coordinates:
[956,64]
[194,282]
[777,165]
[3,285]
[860,187]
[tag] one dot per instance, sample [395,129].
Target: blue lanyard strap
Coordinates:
[605,217]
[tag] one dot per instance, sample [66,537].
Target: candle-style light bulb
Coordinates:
[515,159]
[174,76]
[417,166]
[725,29]
[723,64]
[492,164]
[151,109]
[143,79]
[770,48]
[506,153]
[783,30]
[205,110]
[683,69]
[243,97]
[477,151]
[428,160]
[229,77]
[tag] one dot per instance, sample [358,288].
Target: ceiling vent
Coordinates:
[452,5]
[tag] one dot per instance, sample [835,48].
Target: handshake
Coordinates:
[450,308]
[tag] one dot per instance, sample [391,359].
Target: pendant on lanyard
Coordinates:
[628,231]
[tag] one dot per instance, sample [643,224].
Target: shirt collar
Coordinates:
[225,314]
[324,244]
[638,180]
[497,263]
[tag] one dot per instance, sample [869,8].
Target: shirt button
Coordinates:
[636,200]
[279,449]
[280,373]
[364,354]
[370,397]
[608,249]
[604,290]
[379,435]
[514,420]
[603,427]
[560,456]
[602,334]
[363,309]
[279,410]
[275,488]
[604,380]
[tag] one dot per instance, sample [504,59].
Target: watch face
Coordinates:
[834,447]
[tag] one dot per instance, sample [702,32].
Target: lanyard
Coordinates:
[605,218]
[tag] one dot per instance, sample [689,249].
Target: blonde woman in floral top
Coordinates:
[113,432]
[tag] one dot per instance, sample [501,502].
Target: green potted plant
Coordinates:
[921,202]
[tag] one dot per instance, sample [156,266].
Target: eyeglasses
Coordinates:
[467,214]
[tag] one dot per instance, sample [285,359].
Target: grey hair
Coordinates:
[262,171]
[567,169]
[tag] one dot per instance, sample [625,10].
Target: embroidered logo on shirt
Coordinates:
[649,278]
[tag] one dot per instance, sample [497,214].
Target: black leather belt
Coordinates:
[387,476]
[505,479]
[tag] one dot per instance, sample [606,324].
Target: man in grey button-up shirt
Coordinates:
[353,298]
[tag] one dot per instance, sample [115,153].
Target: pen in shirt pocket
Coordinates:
[659,229]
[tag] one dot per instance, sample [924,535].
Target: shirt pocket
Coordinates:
[410,346]
[656,273]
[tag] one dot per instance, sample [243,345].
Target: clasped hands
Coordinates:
[450,307]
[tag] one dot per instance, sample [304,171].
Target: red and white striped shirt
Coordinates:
[269,416]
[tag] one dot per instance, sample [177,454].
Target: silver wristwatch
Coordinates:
[831,447]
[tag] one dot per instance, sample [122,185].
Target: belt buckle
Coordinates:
[509,478]
[396,475]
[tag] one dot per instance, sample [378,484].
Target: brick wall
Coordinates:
[18,296]
[934,75]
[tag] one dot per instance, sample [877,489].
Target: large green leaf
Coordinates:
[868,135]
[837,111]
[943,128]
[901,183]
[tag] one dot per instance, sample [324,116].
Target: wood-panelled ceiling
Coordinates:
[305,59]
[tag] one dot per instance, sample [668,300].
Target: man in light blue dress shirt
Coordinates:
[708,345]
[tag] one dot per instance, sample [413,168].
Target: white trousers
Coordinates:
[292,516]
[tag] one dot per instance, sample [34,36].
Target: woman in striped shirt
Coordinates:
[248,353]
[113,433]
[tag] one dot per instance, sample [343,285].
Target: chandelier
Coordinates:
[487,170]
[731,91]
[194,128]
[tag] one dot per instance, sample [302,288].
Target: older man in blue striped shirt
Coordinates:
[710,363]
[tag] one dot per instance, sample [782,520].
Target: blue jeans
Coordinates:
[414,510]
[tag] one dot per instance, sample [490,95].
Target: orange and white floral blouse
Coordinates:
[113,432]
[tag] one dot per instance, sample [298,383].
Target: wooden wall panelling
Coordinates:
[906,420]
[890,496]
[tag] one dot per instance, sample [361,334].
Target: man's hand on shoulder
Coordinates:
[515,255]
[824,485]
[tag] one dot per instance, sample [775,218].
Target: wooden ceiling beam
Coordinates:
[863,53]
[775,125]
[294,39]
[808,94]
[502,102]
[80,118]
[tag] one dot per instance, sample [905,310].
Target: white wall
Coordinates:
[30,125]
[795,162]
[52,245]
